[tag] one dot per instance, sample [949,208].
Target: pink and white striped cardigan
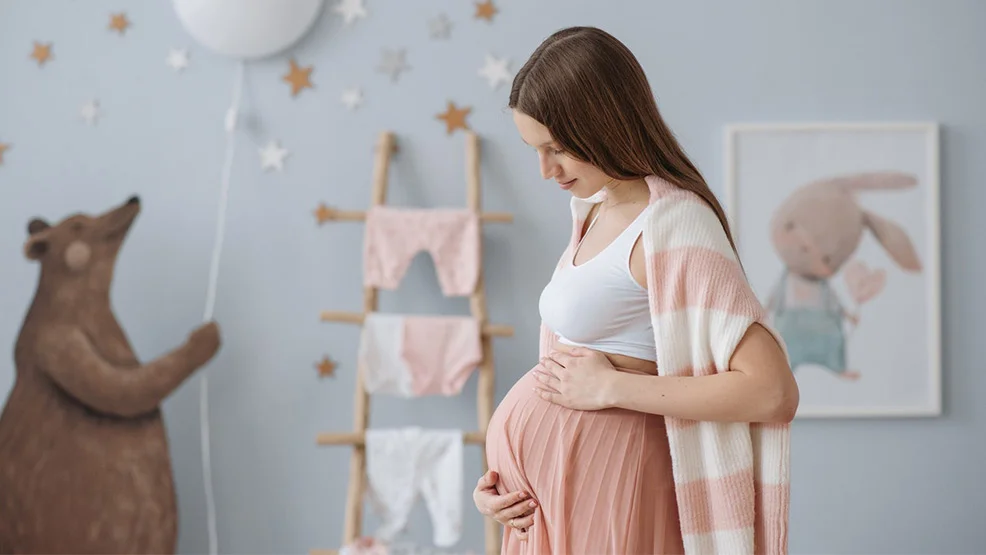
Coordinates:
[731,478]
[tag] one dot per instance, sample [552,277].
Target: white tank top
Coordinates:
[598,304]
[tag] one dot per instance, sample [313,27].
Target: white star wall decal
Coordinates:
[393,63]
[177,59]
[352,98]
[90,112]
[495,71]
[272,156]
[351,10]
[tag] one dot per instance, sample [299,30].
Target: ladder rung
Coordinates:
[500,330]
[332,214]
[356,438]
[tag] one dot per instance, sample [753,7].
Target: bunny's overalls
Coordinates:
[813,334]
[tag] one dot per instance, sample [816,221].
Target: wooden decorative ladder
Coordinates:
[361,404]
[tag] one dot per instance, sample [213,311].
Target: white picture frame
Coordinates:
[817,274]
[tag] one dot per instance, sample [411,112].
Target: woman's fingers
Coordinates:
[507,500]
[521,523]
[521,526]
[503,507]
[487,480]
[515,511]
[550,382]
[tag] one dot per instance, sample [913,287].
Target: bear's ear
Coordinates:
[37,243]
[37,225]
[36,247]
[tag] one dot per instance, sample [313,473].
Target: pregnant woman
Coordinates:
[657,420]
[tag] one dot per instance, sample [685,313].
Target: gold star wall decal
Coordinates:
[326,368]
[455,118]
[41,53]
[119,22]
[298,77]
[485,10]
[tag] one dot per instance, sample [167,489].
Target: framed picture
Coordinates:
[837,225]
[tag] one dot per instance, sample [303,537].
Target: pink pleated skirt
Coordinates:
[602,479]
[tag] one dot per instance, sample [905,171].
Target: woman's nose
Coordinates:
[548,169]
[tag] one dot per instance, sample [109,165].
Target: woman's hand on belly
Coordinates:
[514,510]
[579,379]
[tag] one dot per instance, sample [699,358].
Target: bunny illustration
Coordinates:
[814,232]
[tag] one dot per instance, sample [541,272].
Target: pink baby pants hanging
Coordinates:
[394,236]
[418,355]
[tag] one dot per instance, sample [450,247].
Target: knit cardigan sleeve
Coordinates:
[731,479]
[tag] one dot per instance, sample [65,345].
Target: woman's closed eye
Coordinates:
[552,150]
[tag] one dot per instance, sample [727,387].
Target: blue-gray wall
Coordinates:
[877,486]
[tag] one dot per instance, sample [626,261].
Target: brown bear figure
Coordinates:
[84,459]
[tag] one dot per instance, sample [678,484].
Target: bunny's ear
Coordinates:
[871,181]
[894,239]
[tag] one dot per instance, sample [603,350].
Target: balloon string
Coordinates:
[210,303]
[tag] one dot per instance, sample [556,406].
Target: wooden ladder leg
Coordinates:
[477,303]
[361,403]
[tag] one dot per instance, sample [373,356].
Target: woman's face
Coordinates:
[579,178]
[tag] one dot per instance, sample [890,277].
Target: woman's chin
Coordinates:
[583,192]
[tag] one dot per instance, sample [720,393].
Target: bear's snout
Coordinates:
[133,200]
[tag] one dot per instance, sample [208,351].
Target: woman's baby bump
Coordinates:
[534,444]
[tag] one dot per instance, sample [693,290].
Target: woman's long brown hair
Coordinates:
[591,93]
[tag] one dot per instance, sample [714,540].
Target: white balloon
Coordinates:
[247,28]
